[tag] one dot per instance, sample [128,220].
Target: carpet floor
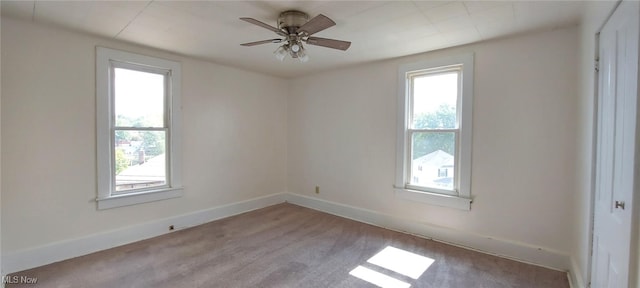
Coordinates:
[290,246]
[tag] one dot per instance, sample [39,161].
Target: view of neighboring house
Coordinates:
[129,147]
[433,170]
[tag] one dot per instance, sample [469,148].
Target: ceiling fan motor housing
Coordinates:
[291,20]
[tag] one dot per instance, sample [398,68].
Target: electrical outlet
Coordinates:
[317,189]
[171,228]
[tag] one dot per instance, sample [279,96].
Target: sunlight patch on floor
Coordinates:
[377,278]
[396,260]
[401,261]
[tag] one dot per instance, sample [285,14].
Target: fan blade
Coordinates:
[316,24]
[329,43]
[263,25]
[262,42]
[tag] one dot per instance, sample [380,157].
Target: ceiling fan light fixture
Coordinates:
[280,53]
[295,48]
[303,57]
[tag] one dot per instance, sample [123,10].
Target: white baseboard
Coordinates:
[521,252]
[31,258]
[575,275]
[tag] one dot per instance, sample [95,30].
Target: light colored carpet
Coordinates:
[288,246]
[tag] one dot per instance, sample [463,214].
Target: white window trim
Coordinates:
[104,114]
[463,198]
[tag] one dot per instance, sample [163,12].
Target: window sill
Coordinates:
[138,198]
[450,201]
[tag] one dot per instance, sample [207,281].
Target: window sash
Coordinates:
[167,161]
[166,73]
[409,162]
[457,69]
[410,76]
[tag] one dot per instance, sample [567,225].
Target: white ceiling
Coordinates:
[377,29]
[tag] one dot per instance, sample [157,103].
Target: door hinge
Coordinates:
[597,65]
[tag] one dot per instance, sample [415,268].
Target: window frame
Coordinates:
[461,197]
[106,61]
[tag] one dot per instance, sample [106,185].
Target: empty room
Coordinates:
[435,144]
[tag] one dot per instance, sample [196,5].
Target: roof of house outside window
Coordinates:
[436,158]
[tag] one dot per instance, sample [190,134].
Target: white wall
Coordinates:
[594,17]
[234,144]
[341,133]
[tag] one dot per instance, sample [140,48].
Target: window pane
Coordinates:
[139,98]
[433,159]
[434,101]
[139,159]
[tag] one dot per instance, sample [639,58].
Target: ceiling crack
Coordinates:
[133,19]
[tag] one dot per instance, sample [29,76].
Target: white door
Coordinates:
[615,148]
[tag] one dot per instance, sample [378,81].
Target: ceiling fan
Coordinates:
[295,28]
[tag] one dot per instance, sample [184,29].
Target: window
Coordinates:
[138,128]
[434,132]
